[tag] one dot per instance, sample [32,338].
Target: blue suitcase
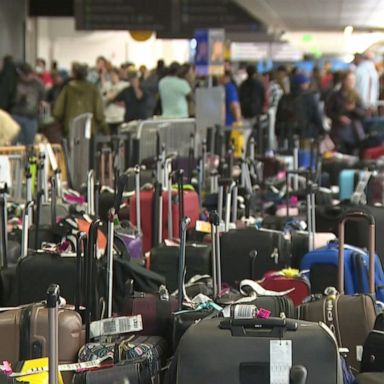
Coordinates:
[321,268]
[348,180]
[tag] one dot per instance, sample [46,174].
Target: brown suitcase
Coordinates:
[24,330]
[351,318]
[24,334]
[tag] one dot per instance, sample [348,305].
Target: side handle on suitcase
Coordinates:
[244,327]
[357,215]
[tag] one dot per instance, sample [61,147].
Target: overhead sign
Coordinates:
[209,58]
[123,15]
[285,52]
[250,51]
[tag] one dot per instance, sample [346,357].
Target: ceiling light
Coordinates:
[348,30]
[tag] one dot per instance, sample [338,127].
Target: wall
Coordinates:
[57,39]
[12,21]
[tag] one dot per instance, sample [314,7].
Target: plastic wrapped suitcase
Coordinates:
[242,351]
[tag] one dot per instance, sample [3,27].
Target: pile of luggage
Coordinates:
[199,268]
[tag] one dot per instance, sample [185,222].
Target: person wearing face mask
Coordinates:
[43,74]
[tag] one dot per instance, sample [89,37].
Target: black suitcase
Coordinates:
[239,351]
[370,378]
[164,260]
[272,248]
[373,352]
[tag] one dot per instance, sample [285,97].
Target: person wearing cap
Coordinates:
[27,103]
[298,113]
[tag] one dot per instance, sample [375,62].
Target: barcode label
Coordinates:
[116,325]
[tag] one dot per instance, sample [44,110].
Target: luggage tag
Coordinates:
[280,357]
[205,227]
[116,326]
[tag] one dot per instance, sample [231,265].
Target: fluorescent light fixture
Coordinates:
[348,30]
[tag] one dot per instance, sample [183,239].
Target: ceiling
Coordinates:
[317,15]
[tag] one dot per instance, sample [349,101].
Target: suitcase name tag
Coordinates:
[280,361]
[205,227]
[116,325]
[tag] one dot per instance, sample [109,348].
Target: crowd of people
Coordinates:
[36,97]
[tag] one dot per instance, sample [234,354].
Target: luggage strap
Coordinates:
[257,290]
[75,367]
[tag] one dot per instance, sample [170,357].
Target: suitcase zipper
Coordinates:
[25,333]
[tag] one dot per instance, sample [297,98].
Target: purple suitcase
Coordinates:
[128,238]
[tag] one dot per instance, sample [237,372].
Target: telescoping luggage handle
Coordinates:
[81,244]
[357,215]
[53,296]
[214,219]
[183,244]
[24,234]
[90,275]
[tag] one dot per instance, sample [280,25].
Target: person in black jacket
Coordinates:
[8,83]
[344,107]
[252,94]
[298,113]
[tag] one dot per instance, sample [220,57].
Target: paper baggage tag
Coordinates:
[5,170]
[88,129]
[203,226]
[280,356]
[116,325]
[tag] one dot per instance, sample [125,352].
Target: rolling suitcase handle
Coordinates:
[121,183]
[81,241]
[137,191]
[184,222]
[357,215]
[28,187]
[53,201]
[90,275]
[231,188]
[24,238]
[110,238]
[297,173]
[90,193]
[53,297]
[39,198]
[214,220]
[3,224]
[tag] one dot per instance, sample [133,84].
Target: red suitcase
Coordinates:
[372,153]
[191,201]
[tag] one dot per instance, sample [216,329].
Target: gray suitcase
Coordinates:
[238,351]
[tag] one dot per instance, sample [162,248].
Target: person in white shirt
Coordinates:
[175,93]
[114,112]
[367,81]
